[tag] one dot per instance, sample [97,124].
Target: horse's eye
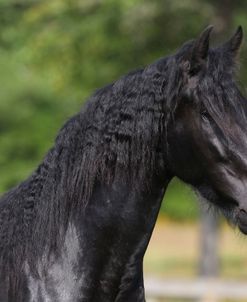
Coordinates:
[205,115]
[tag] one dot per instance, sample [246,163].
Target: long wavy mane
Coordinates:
[119,134]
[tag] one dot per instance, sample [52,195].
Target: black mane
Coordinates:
[115,135]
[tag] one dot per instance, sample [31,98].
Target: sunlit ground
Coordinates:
[174,252]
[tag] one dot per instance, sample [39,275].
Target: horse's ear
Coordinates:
[233,45]
[200,50]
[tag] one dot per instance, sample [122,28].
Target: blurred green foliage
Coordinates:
[54,54]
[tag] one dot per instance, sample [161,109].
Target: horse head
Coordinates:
[207,130]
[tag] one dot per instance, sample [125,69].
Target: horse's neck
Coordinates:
[119,211]
[113,234]
[105,242]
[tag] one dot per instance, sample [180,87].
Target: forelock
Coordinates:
[221,64]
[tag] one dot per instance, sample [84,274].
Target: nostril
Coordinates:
[243,211]
[242,216]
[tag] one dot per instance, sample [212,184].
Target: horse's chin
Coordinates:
[242,221]
[243,228]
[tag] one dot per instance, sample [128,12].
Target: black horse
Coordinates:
[77,229]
